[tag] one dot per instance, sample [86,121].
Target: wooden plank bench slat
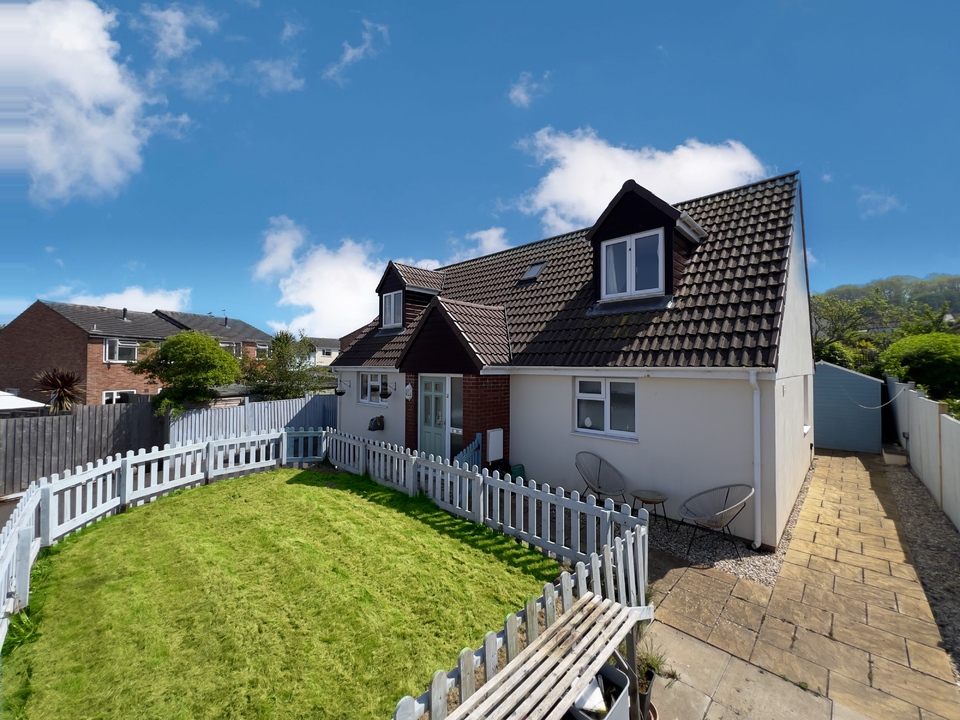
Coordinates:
[547,677]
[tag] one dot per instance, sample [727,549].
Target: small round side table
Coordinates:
[654,498]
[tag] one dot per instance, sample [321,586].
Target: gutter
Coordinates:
[757,467]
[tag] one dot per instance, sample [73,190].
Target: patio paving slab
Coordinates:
[847,618]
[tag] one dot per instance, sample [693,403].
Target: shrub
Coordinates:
[931,361]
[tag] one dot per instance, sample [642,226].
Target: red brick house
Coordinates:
[100,344]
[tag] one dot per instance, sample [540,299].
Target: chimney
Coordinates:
[225,321]
[125,315]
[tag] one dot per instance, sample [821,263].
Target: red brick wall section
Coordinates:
[112,376]
[486,405]
[411,412]
[39,339]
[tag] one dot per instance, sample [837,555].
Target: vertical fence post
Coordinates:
[411,472]
[208,469]
[606,528]
[283,448]
[362,458]
[48,511]
[479,495]
[22,572]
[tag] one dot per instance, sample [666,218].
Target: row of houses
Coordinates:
[101,343]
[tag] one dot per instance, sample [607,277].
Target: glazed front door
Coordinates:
[433,416]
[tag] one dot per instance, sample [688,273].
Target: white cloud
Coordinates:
[136,298]
[811,260]
[171,28]
[199,81]
[336,284]
[525,89]
[874,202]
[585,172]
[484,242]
[280,242]
[290,30]
[827,177]
[277,75]
[78,115]
[352,55]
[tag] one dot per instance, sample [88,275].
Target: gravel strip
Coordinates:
[935,544]
[714,551]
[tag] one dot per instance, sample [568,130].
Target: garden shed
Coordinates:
[846,409]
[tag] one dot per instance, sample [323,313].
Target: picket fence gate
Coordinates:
[608,546]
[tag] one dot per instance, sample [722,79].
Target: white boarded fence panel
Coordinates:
[950,464]
[932,441]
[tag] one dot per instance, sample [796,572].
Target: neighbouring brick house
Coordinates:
[673,340]
[238,338]
[100,343]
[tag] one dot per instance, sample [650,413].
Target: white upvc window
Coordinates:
[234,348]
[263,350]
[632,266]
[606,406]
[112,397]
[370,385]
[119,351]
[392,309]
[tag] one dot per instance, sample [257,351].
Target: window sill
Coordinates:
[371,404]
[604,436]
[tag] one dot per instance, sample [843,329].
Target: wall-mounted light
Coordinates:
[340,392]
[408,392]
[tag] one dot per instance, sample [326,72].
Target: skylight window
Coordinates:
[533,271]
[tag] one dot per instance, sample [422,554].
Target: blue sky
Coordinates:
[265,159]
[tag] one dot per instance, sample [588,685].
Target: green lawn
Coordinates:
[290,594]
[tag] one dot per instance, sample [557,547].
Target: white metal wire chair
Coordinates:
[715,509]
[601,478]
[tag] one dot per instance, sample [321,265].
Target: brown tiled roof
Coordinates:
[420,277]
[726,310]
[482,327]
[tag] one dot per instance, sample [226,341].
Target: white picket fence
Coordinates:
[607,545]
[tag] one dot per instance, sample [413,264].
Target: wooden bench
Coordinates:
[544,681]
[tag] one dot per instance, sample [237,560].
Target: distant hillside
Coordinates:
[904,290]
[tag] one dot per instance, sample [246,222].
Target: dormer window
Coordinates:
[632,266]
[392,310]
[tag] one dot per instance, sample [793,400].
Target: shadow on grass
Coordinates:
[506,550]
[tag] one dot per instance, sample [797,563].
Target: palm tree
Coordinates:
[65,388]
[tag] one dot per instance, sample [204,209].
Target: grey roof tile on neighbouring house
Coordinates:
[223,328]
[114,322]
[726,310]
[325,343]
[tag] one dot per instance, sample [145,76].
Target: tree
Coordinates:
[65,388]
[932,361]
[288,371]
[188,365]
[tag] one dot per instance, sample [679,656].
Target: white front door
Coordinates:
[433,416]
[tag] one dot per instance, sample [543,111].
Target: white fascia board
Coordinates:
[700,373]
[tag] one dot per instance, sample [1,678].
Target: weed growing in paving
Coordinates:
[291,594]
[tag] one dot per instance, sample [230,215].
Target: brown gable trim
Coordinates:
[436,307]
[630,186]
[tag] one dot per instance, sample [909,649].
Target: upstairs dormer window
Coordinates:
[392,310]
[632,266]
